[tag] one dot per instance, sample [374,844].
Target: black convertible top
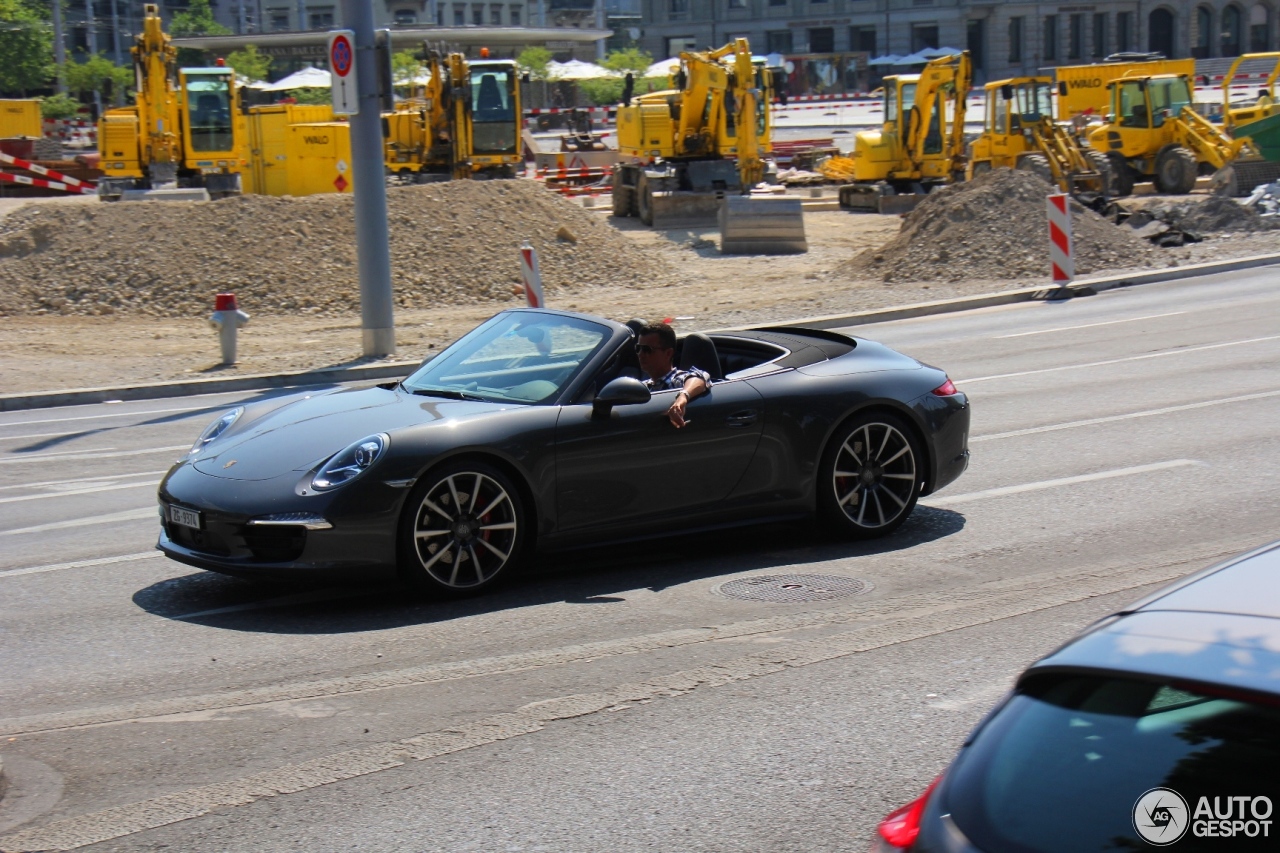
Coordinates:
[806,346]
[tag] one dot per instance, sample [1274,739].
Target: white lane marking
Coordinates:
[79,564]
[1160,354]
[77,455]
[1112,418]
[1090,325]
[73,492]
[1062,481]
[109,518]
[82,480]
[108,415]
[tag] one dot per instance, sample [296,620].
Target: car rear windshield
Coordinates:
[1061,767]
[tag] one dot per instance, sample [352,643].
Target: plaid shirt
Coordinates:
[676,378]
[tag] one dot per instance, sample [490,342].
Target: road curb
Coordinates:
[400,369]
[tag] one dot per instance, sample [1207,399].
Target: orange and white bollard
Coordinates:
[1061,253]
[532,276]
[227,318]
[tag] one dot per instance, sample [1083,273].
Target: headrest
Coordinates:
[699,351]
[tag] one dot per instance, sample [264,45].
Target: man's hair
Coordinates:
[665,333]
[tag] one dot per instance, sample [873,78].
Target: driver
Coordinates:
[656,349]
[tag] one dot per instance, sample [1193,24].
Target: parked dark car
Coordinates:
[1158,726]
[533,430]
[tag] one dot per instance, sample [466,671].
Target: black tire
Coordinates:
[621,195]
[454,553]
[644,200]
[867,494]
[1102,166]
[1176,170]
[1122,176]
[1038,165]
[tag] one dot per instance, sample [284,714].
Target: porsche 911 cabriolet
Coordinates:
[534,431]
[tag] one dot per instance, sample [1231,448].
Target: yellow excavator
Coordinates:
[683,150]
[920,146]
[1019,133]
[468,125]
[1153,133]
[183,138]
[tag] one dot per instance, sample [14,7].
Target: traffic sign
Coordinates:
[342,67]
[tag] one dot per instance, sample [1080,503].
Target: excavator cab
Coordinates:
[208,101]
[495,109]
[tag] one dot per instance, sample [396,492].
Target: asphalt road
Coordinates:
[614,700]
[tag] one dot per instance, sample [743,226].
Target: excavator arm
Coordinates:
[749,99]
[460,114]
[944,80]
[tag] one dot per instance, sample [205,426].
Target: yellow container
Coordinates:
[297,149]
[20,118]
[1086,85]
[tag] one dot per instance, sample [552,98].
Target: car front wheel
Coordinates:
[870,476]
[462,530]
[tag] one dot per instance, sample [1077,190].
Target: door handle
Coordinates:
[741,419]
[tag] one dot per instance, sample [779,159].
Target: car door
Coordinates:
[633,465]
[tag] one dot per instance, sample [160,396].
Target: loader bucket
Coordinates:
[682,210]
[762,226]
[1265,136]
[168,194]
[1239,178]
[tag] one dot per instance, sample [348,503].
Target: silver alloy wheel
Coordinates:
[874,475]
[465,530]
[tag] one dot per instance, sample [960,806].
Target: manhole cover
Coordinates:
[792,588]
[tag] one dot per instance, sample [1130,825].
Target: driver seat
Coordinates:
[698,350]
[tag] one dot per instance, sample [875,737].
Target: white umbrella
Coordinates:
[661,69]
[887,59]
[307,78]
[576,69]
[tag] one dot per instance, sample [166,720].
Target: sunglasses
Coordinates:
[645,349]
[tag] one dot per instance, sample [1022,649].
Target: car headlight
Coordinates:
[215,429]
[349,463]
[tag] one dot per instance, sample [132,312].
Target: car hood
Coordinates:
[301,434]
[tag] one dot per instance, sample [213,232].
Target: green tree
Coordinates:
[96,74]
[405,68]
[602,91]
[312,95]
[249,63]
[26,45]
[59,106]
[197,20]
[632,59]
[534,60]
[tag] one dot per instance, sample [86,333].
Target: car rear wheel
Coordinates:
[462,530]
[870,476]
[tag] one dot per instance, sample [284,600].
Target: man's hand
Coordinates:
[676,412]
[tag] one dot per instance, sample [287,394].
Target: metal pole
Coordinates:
[373,250]
[59,47]
[115,33]
[241,23]
[600,26]
[302,14]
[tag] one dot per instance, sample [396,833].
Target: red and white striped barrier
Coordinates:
[1061,255]
[531,275]
[582,173]
[52,180]
[68,128]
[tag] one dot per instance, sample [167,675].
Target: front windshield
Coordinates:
[209,106]
[493,114]
[1034,102]
[1168,97]
[518,356]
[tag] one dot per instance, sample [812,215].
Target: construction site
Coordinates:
[694,205]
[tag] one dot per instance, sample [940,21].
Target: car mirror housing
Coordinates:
[623,391]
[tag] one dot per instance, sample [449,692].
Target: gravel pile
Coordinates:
[991,229]
[451,243]
[1212,215]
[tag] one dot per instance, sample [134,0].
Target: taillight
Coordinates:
[899,830]
[946,389]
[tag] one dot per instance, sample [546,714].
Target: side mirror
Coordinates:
[1006,92]
[623,391]
[1062,88]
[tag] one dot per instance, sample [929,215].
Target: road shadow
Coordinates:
[595,576]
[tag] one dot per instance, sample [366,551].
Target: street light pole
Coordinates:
[59,48]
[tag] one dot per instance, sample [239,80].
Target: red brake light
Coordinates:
[900,828]
[946,389]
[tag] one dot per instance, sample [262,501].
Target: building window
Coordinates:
[405,17]
[681,44]
[778,41]
[777,2]
[679,8]
[737,4]
[1015,40]
[321,19]
[278,20]
[1050,36]
[495,15]
[1099,35]
[1075,37]
[515,15]
[822,40]
[477,16]
[1124,31]
[459,16]
[923,35]
[863,39]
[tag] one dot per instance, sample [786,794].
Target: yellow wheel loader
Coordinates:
[920,146]
[468,125]
[184,137]
[682,151]
[1249,111]
[1019,133]
[1153,133]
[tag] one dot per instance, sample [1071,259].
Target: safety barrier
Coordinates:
[65,129]
[49,178]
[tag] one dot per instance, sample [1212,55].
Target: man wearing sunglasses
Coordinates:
[656,350]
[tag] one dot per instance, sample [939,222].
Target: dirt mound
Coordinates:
[994,228]
[1212,215]
[451,243]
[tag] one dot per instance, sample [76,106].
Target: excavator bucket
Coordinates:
[877,198]
[762,226]
[677,209]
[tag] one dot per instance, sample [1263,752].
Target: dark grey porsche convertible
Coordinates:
[534,431]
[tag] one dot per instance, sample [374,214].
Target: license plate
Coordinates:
[185,517]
